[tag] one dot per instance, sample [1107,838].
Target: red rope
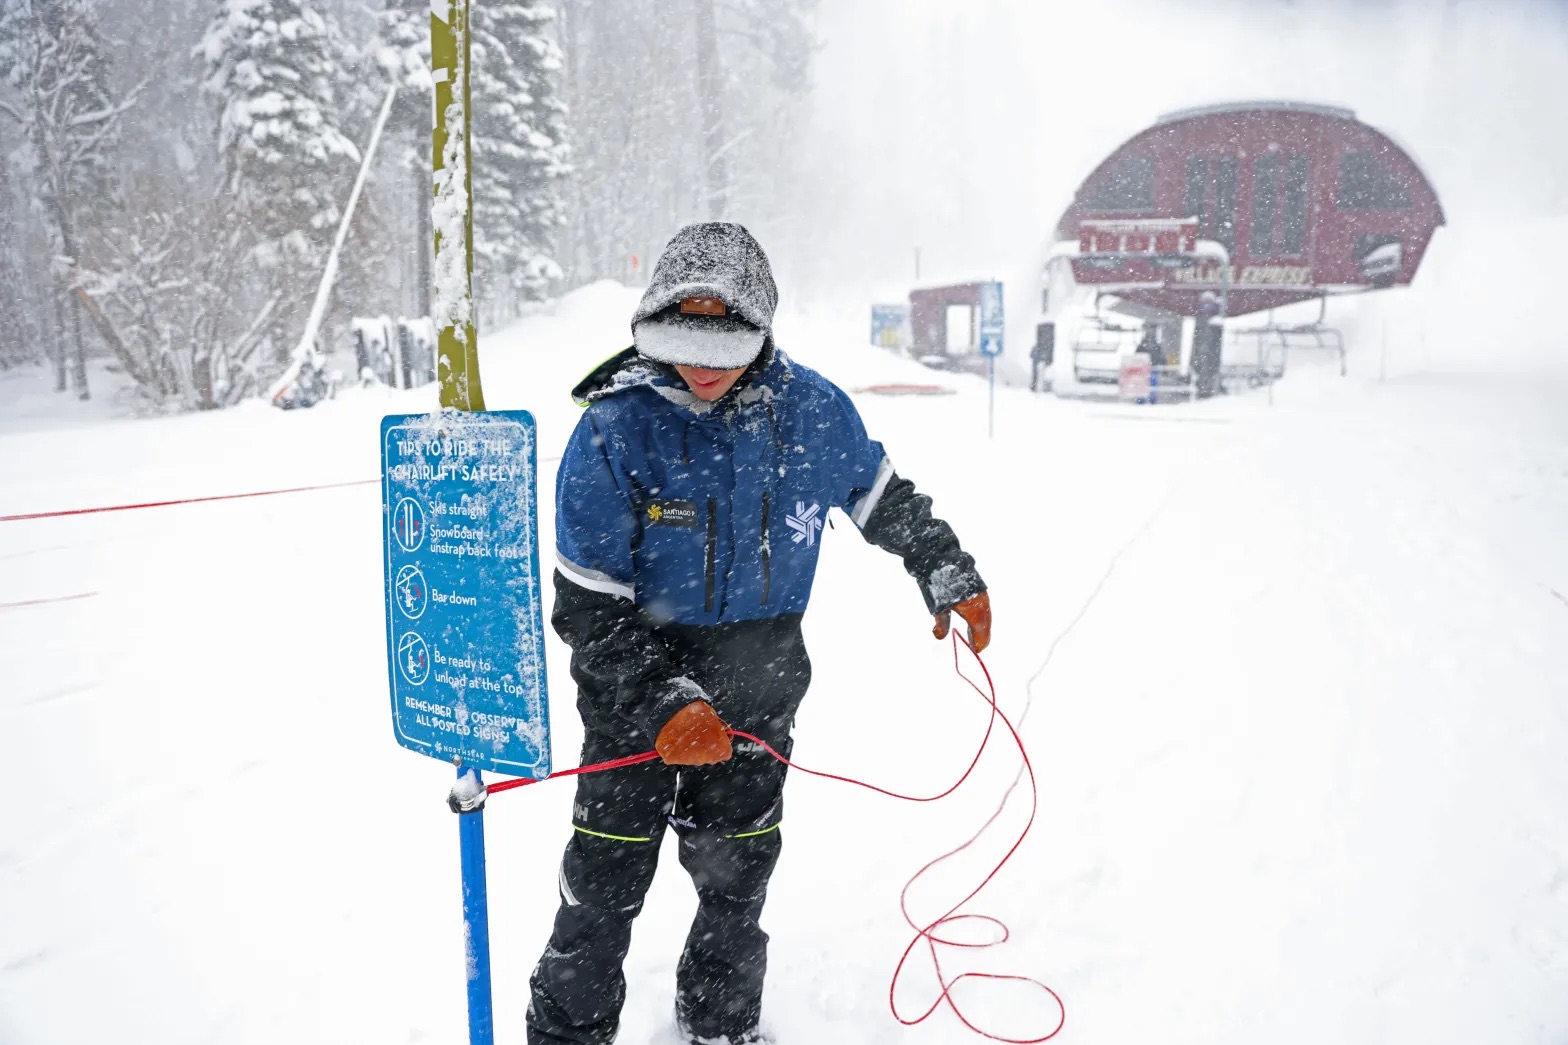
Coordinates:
[597,767]
[198,500]
[187,500]
[930,932]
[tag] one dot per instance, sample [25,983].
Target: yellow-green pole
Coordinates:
[453,213]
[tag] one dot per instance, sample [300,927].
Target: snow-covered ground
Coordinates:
[1301,749]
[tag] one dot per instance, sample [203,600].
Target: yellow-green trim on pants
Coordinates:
[613,838]
[629,838]
[754,834]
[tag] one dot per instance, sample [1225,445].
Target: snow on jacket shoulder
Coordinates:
[707,513]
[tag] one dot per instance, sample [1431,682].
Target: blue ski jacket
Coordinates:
[686,525]
[704,513]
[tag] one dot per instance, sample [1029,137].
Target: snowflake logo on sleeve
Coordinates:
[806,522]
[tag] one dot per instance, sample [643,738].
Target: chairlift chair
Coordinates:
[1098,347]
[1274,342]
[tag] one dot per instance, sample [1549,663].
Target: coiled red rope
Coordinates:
[931,933]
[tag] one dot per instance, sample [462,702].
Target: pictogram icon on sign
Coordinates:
[413,658]
[412,596]
[408,523]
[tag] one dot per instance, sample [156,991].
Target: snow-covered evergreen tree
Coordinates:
[520,153]
[404,55]
[272,66]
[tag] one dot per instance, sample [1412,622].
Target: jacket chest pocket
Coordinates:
[677,556]
[767,545]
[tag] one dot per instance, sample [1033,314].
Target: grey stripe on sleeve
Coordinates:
[868,503]
[593,580]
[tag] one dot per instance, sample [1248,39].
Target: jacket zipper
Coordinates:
[767,551]
[713,551]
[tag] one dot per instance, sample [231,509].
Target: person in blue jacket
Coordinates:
[690,505]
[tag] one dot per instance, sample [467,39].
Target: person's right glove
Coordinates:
[694,736]
[976,612]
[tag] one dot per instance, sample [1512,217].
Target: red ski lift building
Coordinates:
[1230,210]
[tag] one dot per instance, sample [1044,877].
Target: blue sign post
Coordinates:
[465,630]
[992,328]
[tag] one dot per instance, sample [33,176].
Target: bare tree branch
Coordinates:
[112,112]
[86,146]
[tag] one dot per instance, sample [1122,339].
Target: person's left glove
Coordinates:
[694,736]
[976,612]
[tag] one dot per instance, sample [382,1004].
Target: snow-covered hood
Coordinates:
[714,260]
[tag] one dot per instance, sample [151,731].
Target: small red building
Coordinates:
[944,326]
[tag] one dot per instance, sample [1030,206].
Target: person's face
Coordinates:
[709,385]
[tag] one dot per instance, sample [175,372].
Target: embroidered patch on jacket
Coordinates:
[806,522]
[670,513]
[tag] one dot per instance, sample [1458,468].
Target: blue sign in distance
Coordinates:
[992,321]
[465,628]
[888,325]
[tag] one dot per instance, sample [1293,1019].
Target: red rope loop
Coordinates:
[932,933]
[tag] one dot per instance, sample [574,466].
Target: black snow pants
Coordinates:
[727,820]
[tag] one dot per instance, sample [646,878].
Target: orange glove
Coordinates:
[694,736]
[976,612]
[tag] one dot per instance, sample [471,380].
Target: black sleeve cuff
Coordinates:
[662,700]
[947,586]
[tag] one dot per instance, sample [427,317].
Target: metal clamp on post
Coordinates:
[468,794]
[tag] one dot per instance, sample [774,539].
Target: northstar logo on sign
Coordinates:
[806,522]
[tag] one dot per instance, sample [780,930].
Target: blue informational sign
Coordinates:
[992,321]
[889,325]
[465,631]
